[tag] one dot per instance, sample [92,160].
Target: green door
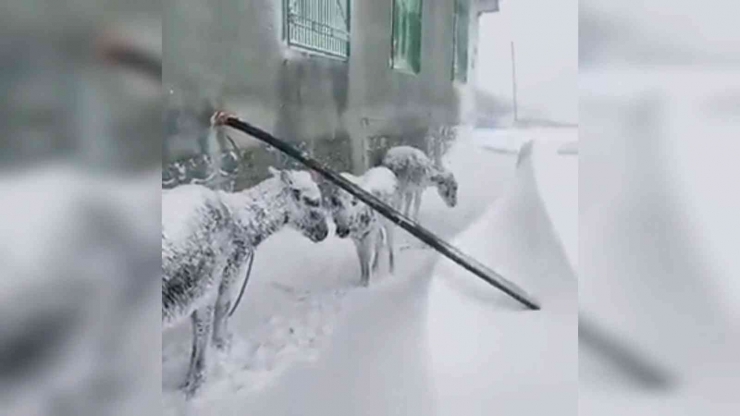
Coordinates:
[460,41]
[406,37]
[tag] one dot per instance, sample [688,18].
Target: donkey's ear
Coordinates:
[273,172]
[316,176]
[286,178]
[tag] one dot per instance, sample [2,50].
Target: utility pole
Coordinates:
[513,82]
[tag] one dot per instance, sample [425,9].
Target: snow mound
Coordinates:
[556,177]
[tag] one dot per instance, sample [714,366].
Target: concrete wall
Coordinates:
[230,54]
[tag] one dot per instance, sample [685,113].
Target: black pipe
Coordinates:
[467,262]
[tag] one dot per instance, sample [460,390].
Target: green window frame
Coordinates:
[460,43]
[406,36]
[319,26]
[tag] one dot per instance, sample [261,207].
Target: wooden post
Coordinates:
[467,262]
[513,82]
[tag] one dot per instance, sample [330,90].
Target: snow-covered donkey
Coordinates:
[206,237]
[367,229]
[416,172]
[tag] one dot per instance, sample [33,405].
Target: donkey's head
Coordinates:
[349,213]
[303,203]
[446,186]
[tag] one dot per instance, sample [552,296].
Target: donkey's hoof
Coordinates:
[223,343]
[191,387]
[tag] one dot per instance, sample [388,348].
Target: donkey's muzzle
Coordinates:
[342,232]
[318,234]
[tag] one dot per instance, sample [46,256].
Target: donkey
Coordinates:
[416,172]
[358,221]
[206,237]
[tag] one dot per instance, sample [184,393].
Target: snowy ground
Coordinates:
[309,341]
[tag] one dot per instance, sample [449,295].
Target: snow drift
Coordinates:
[488,356]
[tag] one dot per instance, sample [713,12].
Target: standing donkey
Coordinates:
[365,227]
[206,237]
[416,172]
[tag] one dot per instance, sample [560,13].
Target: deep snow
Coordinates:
[309,341]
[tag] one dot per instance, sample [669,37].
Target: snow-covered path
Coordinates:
[309,342]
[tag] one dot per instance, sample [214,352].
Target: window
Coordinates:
[460,41]
[320,26]
[406,42]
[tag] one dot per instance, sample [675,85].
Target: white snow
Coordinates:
[380,179]
[430,339]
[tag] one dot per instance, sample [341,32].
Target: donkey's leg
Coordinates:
[417,204]
[397,200]
[388,226]
[202,320]
[379,235]
[222,337]
[363,254]
[193,350]
[406,202]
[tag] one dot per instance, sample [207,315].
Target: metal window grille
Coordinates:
[320,26]
[406,44]
[460,41]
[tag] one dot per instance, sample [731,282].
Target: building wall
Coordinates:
[231,54]
[385,102]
